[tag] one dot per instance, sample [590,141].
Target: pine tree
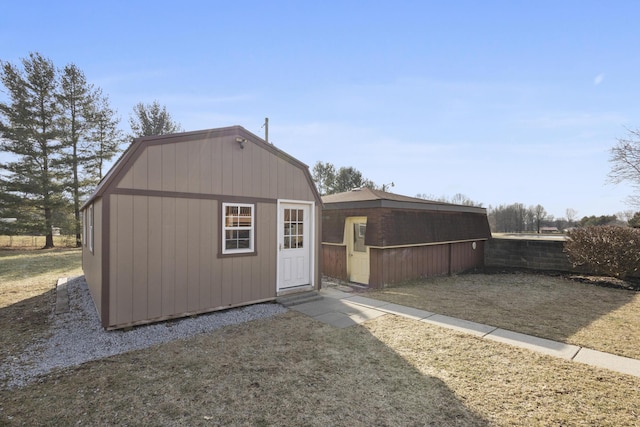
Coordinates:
[75,99]
[105,138]
[28,131]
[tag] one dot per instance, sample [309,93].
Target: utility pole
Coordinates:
[266,129]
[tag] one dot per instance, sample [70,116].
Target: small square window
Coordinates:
[237,228]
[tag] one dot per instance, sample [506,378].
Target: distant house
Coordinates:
[199,221]
[377,238]
[549,230]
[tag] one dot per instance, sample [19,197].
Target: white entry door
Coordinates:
[294,245]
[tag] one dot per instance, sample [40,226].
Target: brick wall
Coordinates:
[521,253]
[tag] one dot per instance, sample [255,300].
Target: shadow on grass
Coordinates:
[289,370]
[24,321]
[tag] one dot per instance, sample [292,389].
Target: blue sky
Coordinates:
[503,101]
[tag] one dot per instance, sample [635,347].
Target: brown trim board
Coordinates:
[106,239]
[185,195]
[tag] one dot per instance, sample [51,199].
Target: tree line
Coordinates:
[59,131]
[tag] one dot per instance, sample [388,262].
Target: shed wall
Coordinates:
[394,265]
[92,262]
[334,261]
[159,211]
[164,211]
[164,259]
[406,244]
[221,167]
[397,227]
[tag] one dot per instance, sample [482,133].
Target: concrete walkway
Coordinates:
[343,309]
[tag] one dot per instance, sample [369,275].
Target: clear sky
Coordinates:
[503,101]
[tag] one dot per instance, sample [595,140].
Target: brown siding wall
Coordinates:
[409,227]
[334,261]
[396,265]
[397,227]
[333,223]
[464,257]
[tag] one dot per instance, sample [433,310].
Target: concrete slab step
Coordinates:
[298,298]
[62,296]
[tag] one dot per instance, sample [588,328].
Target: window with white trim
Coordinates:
[237,228]
[90,219]
[84,227]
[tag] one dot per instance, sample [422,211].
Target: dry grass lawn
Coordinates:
[27,292]
[292,371]
[553,307]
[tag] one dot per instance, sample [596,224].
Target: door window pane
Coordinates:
[293,229]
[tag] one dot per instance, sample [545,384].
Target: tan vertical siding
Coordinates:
[181,255]
[199,166]
[168,167]
[168,264]
[140,171]
[194,167]
[164,249]
[154,256]
[226,179]
[204,179]
[183,170]
[121,255]
[140,243]
[218,167]
[206,254]
[239,169]
[273,177]
[154,167]
[193,257]
[92,262]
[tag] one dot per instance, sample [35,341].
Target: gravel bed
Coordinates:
[77,336]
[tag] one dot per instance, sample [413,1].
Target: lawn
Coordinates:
[291,370]
[27,289]
[559,307]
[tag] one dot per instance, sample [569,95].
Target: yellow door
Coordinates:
[357,251]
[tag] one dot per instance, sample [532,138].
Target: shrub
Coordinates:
[609,250]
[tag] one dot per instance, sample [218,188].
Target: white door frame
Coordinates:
[311,246]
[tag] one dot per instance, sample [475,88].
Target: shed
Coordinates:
[199,221]
[375,238]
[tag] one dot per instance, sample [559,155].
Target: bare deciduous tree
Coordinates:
[625,159]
